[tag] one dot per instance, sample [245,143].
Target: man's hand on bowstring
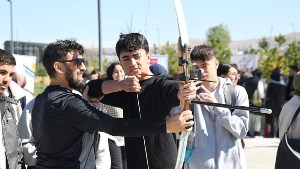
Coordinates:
[130,84]
[188,91]
[182,122]
[207,96]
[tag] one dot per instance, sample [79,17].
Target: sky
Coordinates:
[49,20]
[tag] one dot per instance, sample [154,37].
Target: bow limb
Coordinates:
[183,56]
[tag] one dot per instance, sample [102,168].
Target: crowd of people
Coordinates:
[129,117]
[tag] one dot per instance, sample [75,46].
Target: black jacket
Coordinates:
[157,97]
[59,119]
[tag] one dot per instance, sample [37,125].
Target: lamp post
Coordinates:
[99,33]
[11,28]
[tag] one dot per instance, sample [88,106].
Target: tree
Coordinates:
[280,39]
[274,57]
[40,70]
[170,50]
[219,38]
[92,59]
[271,59]
[263,43]
[292,55]
[251,51]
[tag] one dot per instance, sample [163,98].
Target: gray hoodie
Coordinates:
[216,143]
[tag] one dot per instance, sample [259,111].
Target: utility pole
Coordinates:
[99,34]
[158,38]
[11,28]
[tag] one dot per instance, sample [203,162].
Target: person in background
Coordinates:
[229,71]
[158,69]
[95,74]
[216,141]
[274,100]
[288,111]
[20,79]
[116,143]
[10,144]
[255,83]
[60,118]
[289,87]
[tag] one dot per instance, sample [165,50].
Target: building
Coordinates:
[26,48]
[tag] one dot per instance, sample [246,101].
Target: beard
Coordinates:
[72,82]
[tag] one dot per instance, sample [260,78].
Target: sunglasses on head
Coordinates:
[78,61]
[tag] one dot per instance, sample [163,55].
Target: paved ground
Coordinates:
[261,152]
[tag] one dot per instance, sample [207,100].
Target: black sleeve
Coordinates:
[114,99]
[95,88]
[88,118]
[170,90]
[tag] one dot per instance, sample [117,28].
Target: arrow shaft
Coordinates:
[252,109]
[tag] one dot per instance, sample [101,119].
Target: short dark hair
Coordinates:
[203,53]
[276,73]
[256,73]
[110,70]
[223,69]
[294,67]
[57,51]
[131,42]
[95,71]
[7,58]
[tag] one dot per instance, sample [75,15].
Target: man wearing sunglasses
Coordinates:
[78,61]
[60,117]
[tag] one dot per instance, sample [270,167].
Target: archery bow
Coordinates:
[183,55]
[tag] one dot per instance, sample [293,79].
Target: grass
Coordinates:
[40,83]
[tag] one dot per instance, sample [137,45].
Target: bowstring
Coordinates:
[137,94]
[146,20]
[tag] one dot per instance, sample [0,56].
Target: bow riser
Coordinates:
[183,55]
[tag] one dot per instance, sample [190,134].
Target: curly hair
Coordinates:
[57,51]
[131,42]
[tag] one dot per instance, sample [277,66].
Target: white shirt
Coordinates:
[261,89]
[103,160]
